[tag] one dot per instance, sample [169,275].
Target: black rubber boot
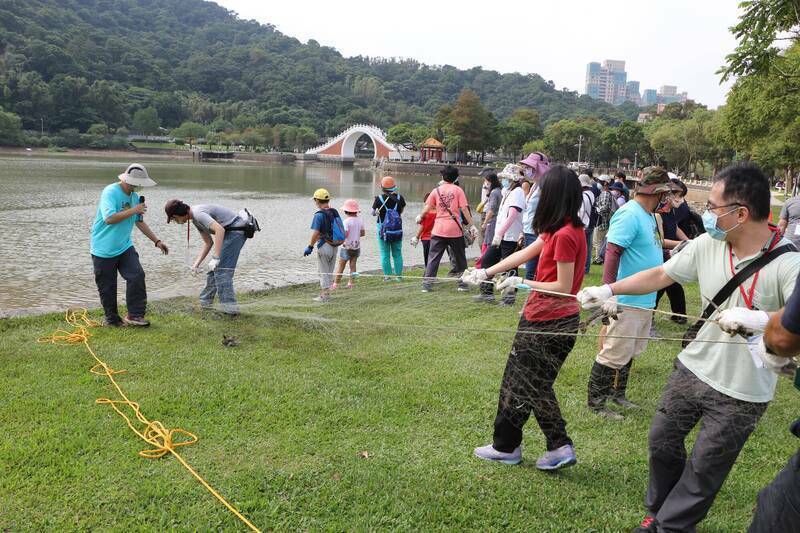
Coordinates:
[601,381]
[620,385]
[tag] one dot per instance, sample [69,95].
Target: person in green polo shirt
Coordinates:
[778,504]
[716,384]
[118,211]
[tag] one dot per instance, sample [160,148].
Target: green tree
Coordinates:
[522,127]
[762,25]
[10,129]
[146,121]
[190,131]
[469,121]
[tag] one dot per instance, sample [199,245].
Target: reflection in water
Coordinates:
[47,206]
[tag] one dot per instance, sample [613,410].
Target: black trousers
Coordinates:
[105,276]
[492,256]
[457,251]
[677,298]
[778,507]
[681,490]
[426,248]
[531,370]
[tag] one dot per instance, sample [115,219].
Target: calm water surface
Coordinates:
[47,206]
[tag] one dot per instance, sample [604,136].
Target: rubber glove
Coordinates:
[418,219]
[594,297]
[414,241]
[780,365]
[212,265]
[496,239]
[307,251]
[610,307]
[509,284]
[473,231]
[743,321]
[474,276]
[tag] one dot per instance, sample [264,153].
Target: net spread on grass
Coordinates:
[398,306]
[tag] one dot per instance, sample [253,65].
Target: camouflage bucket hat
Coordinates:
[654,180]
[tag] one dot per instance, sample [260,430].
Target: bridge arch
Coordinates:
[342,146]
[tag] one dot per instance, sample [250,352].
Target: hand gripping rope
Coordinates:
[162,440]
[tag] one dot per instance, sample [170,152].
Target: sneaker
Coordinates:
[648,525]
[484,298]
[334,286]
[350,285]
[322,299]
[490,454]
[506,303]
[426,287]
[387,278]
[462,287]
[558,458]
[118,323]
[135,321]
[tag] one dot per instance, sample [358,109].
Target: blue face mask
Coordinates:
[710,224]
[506,183]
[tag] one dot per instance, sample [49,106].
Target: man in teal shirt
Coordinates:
[633,245]
[112,249]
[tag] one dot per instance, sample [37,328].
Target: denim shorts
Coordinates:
[346,255]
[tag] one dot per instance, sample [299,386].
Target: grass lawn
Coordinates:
[162,146]
[284,419]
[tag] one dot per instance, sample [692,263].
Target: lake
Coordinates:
[48,204]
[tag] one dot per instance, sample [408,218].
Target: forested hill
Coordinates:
[74,63]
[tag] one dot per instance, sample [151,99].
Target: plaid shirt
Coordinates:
[603,207]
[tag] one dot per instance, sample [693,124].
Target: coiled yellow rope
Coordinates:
[162,440]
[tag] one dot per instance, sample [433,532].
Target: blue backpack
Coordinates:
[333,230]
[392,226]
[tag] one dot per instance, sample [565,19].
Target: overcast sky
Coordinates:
[664,42]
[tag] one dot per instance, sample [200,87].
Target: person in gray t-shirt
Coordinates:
[789,219]
[491,208]
[222,231]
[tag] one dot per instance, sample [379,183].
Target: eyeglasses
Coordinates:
[711,206]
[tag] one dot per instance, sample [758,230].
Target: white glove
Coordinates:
[594,297]
[414,241]
[610,307]
[496,239]
[212,265]
[776,363]
[473,231]
[418,220]
[742,321]
[474,276]
[195,270]
[508,285]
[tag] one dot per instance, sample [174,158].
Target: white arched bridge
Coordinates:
[342,147]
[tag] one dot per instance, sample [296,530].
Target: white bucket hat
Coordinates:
[511,171]
[585,180]
[137,176]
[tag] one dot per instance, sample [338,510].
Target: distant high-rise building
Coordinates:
[632,93]
[608,81]
[666,94]
[649,97]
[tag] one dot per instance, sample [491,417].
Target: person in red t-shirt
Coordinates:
[546,332]
[424,231]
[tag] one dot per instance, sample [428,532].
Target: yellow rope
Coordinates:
[162,440]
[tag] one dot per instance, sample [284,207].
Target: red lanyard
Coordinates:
[748,296]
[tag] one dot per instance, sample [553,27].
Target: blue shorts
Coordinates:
[346,255]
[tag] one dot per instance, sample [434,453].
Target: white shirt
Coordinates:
[729,368]
[515,198]
[585,212]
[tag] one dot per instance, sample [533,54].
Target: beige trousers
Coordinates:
[616,350]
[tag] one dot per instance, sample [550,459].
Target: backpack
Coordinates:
[333,229]
[392,226]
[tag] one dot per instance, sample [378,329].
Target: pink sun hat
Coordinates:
[351,206]
[538,162]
